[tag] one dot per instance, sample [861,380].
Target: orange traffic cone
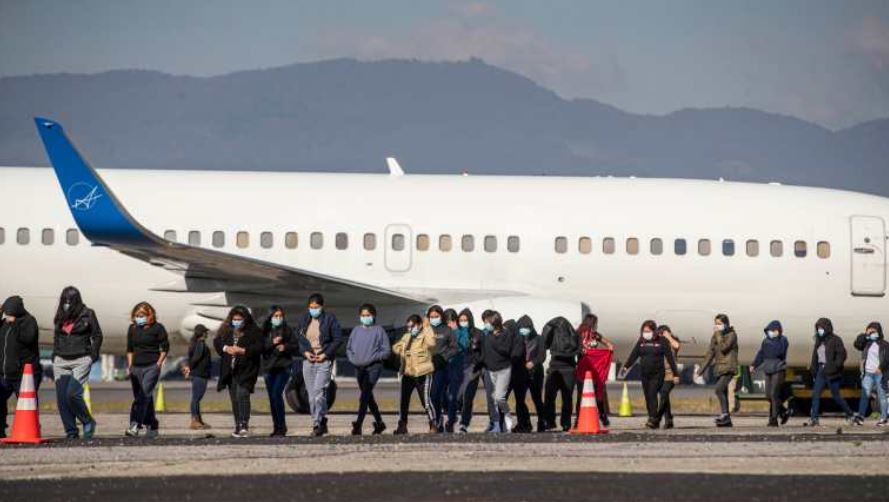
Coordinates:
[588,420]
[26,425]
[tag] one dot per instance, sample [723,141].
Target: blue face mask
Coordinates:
[874,336]
[525,331]
[141,320]
[315,312]
[277,322]
[489,328]
[820,331]
[415,331]
[366,320]
[435,321]
[464,324]
[237,323]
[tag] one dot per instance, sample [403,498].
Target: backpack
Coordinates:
[565,341]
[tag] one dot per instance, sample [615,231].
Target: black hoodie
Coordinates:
[563,342]
[535,350]
[18,340]
[473,356]
[500,350]
[863,343]
[79,336]
[834,350]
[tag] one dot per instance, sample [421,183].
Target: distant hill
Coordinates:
[345,115]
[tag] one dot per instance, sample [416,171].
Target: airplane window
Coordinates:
[752,248]
[266,240]
[585,245]
[467,243]
[823,249]
[632,245]
[657,247]
[704,247]
[194,238]
[2,235]
[316,240]
[608,245]
[170,235]
[72,237]
[23,236]
[444,243]
[561,245]
[218,239]
[48,237]
[799,249]
[370,241]
[490,243]
[776,248]
[512,244]
[728,247]
[398,242]
[291,240]
[341,240]
[242,239]
[422,242]
[680,247]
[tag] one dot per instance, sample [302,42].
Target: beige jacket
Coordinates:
[416,353]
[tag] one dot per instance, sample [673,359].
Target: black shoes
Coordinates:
[449,427]
[652,424]
[668,424]
[379,427]
[356,429]
[724,421]
[402,427]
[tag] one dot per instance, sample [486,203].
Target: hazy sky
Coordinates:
[822,60]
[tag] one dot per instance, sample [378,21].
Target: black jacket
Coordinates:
[147,343]
[863,344]
[18,341]
[563,343]
[272,358]
[445,344]
[835,353]
[84,338]
[500,351]
[472,356]
[199,360]
[331,334]
[246,368]
[651,354]
[535,349]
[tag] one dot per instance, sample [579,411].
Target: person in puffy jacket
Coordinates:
[772,360]
[527,375]
[147,348]
[722,355]
[499,351]
[563,343]
[197,368]
[76,346]
[239,343]
[651,350]
[279,343]
[828,358]
[874,368]
[18,347]
[367,349]
[319,335]
[414,350]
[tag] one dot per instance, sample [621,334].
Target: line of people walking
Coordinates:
[442,357]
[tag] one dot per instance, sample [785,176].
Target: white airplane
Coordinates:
[195,243]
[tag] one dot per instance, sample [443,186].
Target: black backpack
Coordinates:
[565,342]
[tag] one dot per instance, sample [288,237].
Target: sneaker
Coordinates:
[236,433]
[883,422]
[812,422]
[89,430]
[324,426]
[508,423]
[243,432]
[72,435]
[490,427]
[449,427]
[651,424]
[855,420]
[278,434]
[725,423]
[495,429]
[133,430]
[785,416]
[151,433]
[317,431]
[356,429]
[379,427]
[668,424]
[463,430]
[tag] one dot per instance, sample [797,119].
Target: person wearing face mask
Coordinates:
[563,343]
[527,375]
[828,358]
[597,353]
[239,343]
[472,368]
[671,378]
[651,350]
[147,348]
[320,335]
[445,349]
[277,359]
[772,360]
[77,342]
[18,339]
[197,369]
[722,354]
[367,349]
[499,351]
[414,351]
[455,364]
[874,367]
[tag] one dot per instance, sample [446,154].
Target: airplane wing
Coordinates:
[105,222]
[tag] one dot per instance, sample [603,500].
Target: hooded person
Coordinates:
[527,375]
[772,360]
[722,355]
[469,339]
[18,339]
[444,351]
[874,369]
[828,358]
[563,343]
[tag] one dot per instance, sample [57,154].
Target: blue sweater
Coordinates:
[367,345]
[771,348]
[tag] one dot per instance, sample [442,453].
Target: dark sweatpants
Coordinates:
[651,387]
[561,380]
[664,410]
[524,380]
[722,392]
[421,384]
[774,389]
[367,377]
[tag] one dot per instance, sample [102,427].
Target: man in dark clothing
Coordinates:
[527,374]
[18,347]
[828,358]
[563,342]
[470,338]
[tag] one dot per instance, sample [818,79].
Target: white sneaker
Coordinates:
[133,430]
[507,421]
[882,422]
[463,430]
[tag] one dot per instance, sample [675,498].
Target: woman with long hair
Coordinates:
[239,342]
[651,350]
[671,378]
[722,355]
[198,369]
[147,348]
[596,355]
[279,345]
[415,353]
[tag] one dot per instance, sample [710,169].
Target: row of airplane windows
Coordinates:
[446,243]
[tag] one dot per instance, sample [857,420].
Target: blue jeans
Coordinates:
[446,382]
[317,378]
[820,382]
[868,382]
[198,389]
[71,375]
[275,381]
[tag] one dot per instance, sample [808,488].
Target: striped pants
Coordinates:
[423,385]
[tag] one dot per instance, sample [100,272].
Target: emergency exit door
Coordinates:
[868,256]
[398,248]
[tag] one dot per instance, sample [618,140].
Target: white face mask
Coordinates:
[820,331]
[718,328]
[464,324]
[648,335]
[772,334]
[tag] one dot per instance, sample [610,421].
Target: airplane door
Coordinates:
[868,256]
[399,247]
